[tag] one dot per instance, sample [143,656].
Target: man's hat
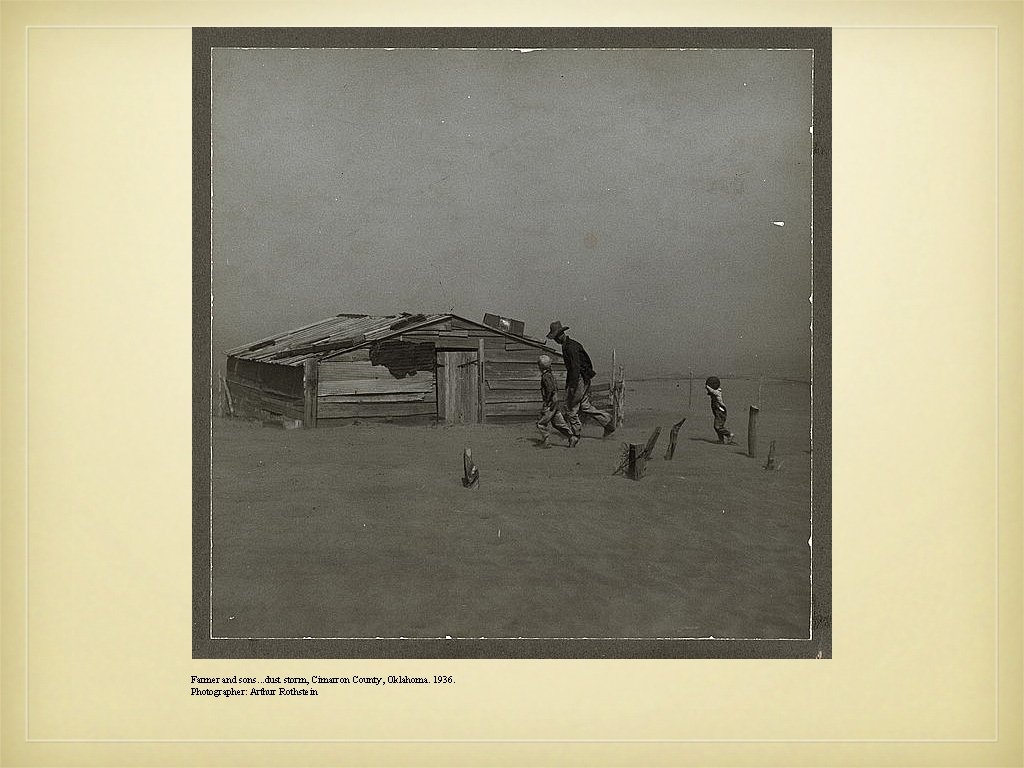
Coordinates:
[556,329]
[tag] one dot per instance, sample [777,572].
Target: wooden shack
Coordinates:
[408,368]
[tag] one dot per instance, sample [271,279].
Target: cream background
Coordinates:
[926,532]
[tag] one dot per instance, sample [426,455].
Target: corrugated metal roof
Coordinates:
[341,332]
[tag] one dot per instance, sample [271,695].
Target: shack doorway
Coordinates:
[458,387]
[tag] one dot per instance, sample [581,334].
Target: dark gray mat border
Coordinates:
[818,39]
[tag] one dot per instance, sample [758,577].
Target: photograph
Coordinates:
[517,372]
[511,344]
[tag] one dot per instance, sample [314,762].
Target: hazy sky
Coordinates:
[630,194]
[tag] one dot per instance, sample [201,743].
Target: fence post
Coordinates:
[752,432]
[614,393]
[481,389]
[622,395]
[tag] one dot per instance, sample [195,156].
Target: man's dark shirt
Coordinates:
[577,364]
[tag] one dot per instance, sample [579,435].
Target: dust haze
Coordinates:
[656,201]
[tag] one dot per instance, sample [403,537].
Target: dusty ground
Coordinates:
[366,531]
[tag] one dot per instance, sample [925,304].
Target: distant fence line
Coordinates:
[741,376]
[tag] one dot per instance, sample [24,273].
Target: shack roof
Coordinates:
[344,332]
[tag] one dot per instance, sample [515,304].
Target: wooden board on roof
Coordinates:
[434,330]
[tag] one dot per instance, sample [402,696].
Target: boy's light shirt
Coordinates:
[716,395]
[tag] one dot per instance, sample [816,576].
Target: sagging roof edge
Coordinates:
[448,316]
[235,351]
[242,348]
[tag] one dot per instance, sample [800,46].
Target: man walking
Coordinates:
[578,373]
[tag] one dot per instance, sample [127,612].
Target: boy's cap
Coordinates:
[713,382]
[544,361]
[556,329]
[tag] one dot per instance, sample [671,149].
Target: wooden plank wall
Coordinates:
[352,387]
[512,379]
[260,390]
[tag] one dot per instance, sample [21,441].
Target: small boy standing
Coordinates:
[714,389]
[551,417]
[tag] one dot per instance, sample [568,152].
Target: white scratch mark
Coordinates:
[779,223]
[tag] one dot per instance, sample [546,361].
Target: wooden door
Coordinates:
[458,400]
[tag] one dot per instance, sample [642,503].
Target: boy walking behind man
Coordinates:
[714,389]
[578,373]
[551,417]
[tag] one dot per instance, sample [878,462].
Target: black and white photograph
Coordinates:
[512,343]
[512,374]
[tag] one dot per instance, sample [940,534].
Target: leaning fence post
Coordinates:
[227,392]
[470,473]
[672,439]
